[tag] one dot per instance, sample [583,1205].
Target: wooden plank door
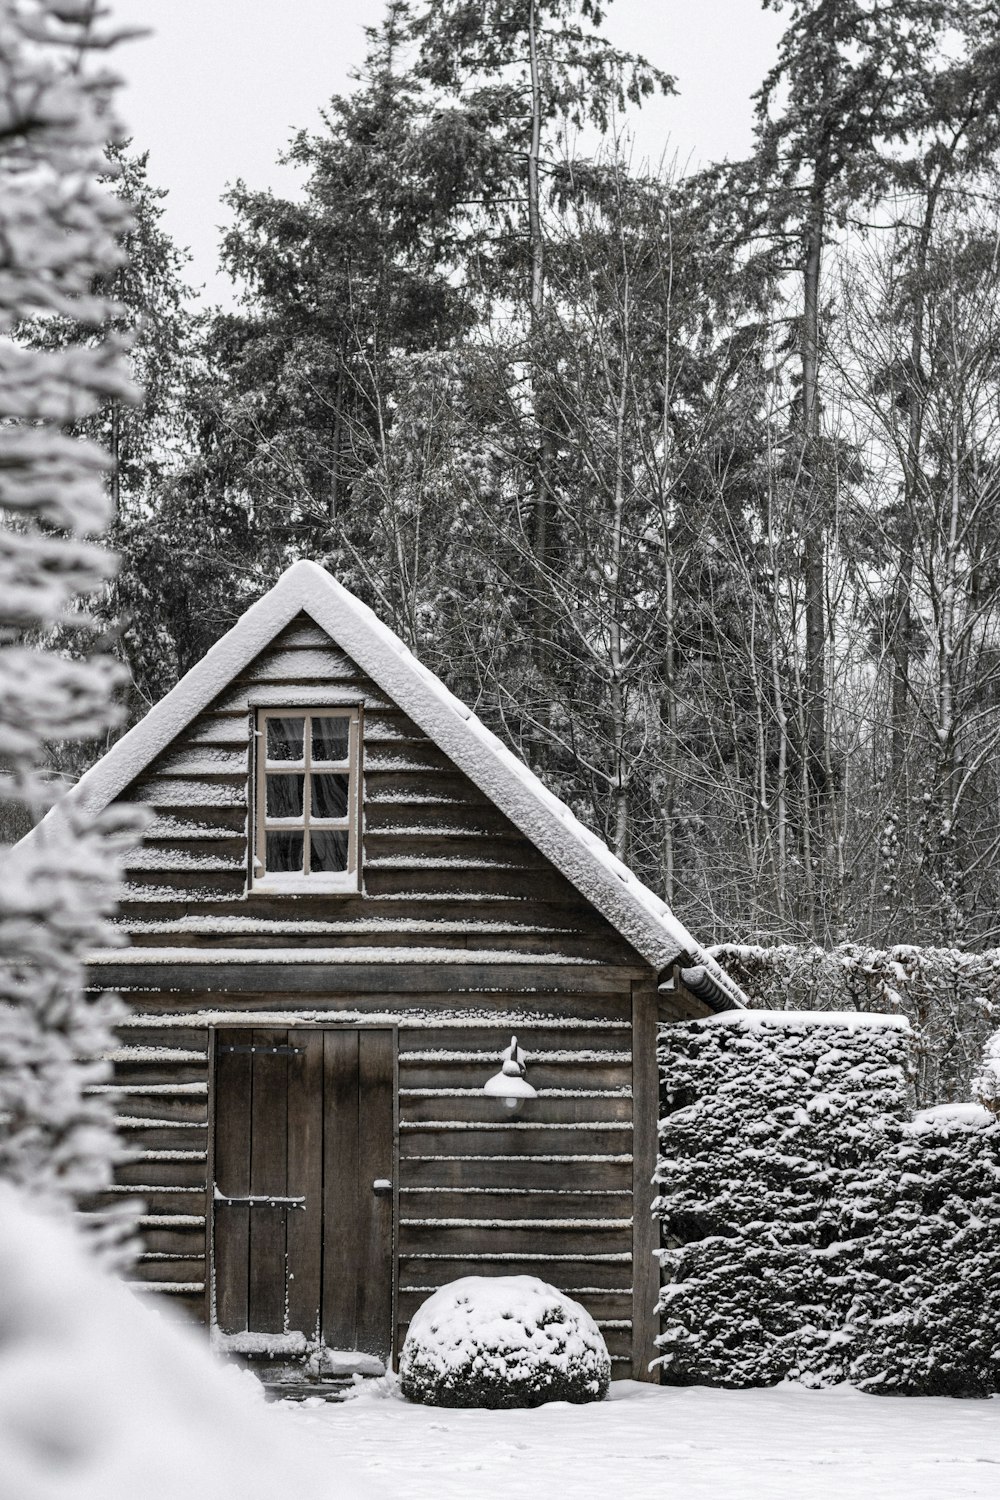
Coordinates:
[302,1237]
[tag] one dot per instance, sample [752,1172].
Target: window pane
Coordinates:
[328,850]
[284,796]
[330,738]
[285,739]
[329,795]
[284,851]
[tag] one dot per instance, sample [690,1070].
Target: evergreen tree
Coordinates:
[850,75]
[60,228]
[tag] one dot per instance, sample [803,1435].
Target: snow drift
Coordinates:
[105,1398]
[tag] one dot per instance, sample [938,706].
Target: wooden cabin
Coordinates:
[348,899]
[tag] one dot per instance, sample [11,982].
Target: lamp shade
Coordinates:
[510,1084]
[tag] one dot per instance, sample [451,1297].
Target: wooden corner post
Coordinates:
[645,1229]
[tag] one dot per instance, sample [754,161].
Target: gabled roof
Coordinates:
[632,909]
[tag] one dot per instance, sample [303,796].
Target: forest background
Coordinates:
[686,482]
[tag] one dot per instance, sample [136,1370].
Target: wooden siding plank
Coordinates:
[546,982]
[375,1161]
[133,1176]
[233,1084]
[188,792]
[602,1306]
[645,1088]
[133,1034]
[472,883]
[176,1269]
[429,1140]
[528,1202]
[323,664]
[187,1241]
[479,1034]
[502,1240]
[572,1275]
[305,1179]
[268,1174]
[562,1073]
[187,1110]
[169,1198]
[514,1172]
[340,1188]
[474,1107]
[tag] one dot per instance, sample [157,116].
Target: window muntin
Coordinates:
[308,796]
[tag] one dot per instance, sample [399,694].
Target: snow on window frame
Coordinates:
[274,882]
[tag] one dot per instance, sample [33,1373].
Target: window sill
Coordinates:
[306,885]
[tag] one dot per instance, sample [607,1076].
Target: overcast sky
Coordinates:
[215,92]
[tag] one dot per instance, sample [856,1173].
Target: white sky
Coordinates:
[216,91]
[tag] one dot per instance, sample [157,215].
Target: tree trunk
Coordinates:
[114,448]
[813,570]
[544,517]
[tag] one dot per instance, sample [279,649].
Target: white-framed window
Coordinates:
[307,799]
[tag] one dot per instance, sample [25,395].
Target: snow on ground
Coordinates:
[692,1444]
[103,1398]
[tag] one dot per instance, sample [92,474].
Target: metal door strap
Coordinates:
[258,1200]
[268,1051]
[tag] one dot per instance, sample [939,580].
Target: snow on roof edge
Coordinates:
[631,907]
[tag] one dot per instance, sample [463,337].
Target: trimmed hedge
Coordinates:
[771,1125]
[948,996]
[928,1274]
[812,1230]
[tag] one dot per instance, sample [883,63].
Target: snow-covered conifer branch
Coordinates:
[60,229]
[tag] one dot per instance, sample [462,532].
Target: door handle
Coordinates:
[382,1185]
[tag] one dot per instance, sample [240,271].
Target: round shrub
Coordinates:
[501,1341]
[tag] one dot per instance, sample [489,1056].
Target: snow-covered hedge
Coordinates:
[771,1125]
[812,1230]
[951,998]
[928,1274]
[502,1341]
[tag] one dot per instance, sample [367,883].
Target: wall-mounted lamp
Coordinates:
[510,1084]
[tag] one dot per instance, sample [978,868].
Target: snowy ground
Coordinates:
[783,1444]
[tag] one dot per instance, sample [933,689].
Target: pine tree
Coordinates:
[149,309]
[850,76]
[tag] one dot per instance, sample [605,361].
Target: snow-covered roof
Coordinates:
[635,911]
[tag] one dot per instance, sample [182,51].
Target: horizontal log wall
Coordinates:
[547,1193]
[445,875]
[441,865]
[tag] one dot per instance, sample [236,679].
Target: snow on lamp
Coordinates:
[510,1084]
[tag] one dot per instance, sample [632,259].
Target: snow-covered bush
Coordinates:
[501,1341]
[59,230]
[950,997]
[927,1275]
[768,1173]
